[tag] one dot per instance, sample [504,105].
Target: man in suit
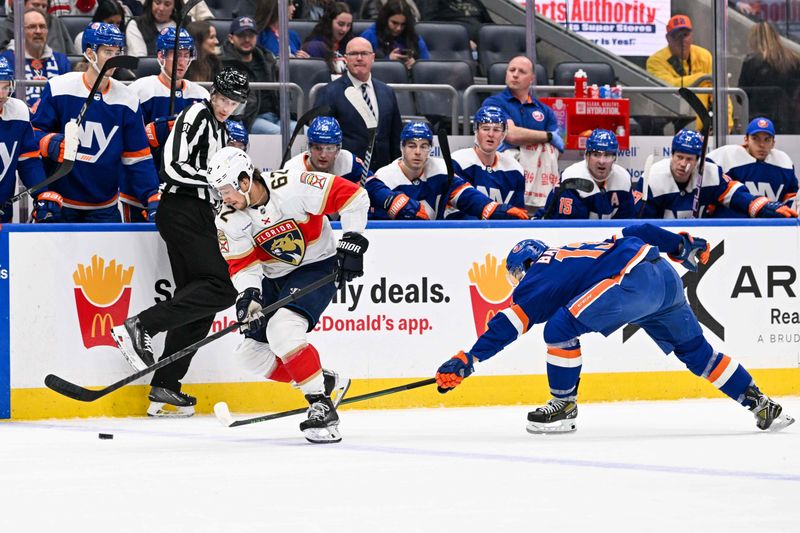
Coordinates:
[379,97]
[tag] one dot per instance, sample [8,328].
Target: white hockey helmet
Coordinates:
[227,165]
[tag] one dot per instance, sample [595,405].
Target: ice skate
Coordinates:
[134,342]
[558,416]
[321,426]
[335,386]
[170,404]
[769,415]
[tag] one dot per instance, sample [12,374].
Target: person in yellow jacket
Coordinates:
[681,63]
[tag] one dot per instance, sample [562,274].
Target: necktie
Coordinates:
[365,94]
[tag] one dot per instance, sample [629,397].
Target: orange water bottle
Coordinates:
[580,80]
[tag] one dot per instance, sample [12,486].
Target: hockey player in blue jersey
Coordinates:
[112,136]
[19,152]
[496,174]
[424,180]
[237,134]
[758,165]
[601,287]
[611,196]
[671,184]
[325,153]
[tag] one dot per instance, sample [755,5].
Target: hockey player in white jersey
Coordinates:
[276,239]
[758,165]
[498,175]
[672,182]
[325,153]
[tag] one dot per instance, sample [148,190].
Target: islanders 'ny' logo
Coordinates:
[489,291]
[283,241]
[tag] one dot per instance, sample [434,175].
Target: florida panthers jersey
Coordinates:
[667,200]
[610,199]
[18,151]
[112,142]
[291,229]
[346,165]
[555,279]
[503,181]
[774,177]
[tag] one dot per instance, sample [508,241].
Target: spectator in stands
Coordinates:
[41,62]
[393,35]
[207,65]
[770,76]
[142,31]
[471,14]
[378,96]
[58,38]
[370,8]
[313,9]
[267,24]
[330,37]
[109,11]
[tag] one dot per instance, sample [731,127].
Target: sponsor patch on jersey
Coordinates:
[313,180]
[283,241]
[224,247]
[537,115]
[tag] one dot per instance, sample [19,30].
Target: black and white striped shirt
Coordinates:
[194,139]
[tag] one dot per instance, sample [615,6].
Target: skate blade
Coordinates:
[562,426]
[782,421]
[338,393]
[327,435]
[120,336]
[163,410]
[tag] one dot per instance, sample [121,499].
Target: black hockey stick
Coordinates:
[580,184]
[224,414]
[304,120]
[705,120]
[648,164]
[370,121]
[444,147]
[71,130]
[188,6]
[81,394]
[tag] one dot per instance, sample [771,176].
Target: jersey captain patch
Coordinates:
[283,241]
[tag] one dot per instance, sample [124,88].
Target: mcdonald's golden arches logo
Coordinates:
[489,290]
[102,299]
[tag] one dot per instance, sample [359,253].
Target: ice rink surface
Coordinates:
[687,466]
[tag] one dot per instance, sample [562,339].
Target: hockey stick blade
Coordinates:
[697,106]
[705,119]
[224,414]
[304,120]
[188,6]
[444,146]
[76,392]
[648,164]
[370,121]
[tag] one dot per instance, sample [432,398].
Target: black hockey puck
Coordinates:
[105,436]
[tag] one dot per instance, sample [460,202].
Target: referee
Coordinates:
[185,220]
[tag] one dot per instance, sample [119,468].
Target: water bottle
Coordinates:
[579,80]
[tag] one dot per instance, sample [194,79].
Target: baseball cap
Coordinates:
[243,24]
[759,124]
[678,22]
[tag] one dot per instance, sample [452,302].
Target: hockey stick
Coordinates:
[224,414]
[579,184]
[72,129]
[304,120]
[81,394]
[370,121]
[705,120]
[645,183]
[188,6]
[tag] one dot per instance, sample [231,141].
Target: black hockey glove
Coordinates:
[350,257]
[248,311]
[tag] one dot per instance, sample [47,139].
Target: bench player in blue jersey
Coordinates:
[325,153]
[601,287]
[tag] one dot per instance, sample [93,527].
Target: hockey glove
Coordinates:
[401,207]
[47,208]
[761,207]
[152,207]
[350,257]
[496,211]
[454,371]
[691,250]
[556,141]
[248,311]
[158,130]
[52,146]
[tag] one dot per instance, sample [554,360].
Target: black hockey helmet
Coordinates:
[232,83]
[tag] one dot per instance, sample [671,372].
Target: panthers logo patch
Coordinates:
[313,180]
[224,247]
[283,241]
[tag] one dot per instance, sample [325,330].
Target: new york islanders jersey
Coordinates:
[291,229]
[774,177]
[555,279]
[18,151]
[112,142]
[346,165]
[610,199]
[503,181]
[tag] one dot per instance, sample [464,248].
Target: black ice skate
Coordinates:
[168,403]
[134,343]
[321,426]
[769,415]
[335,387]
[558,416]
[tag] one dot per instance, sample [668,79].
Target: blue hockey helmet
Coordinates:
[687,142]
[521,257]
[324,130]
[7,74]
[237,132]
[166,41]
[99,34]
[490,114]
[416,130]
[601,140]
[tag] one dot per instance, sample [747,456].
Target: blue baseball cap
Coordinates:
[759,124]
[243,24]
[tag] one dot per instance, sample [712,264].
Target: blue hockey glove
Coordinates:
[497,211]
[556,141]
[401,207]
[761,207]
[158,130]
[152,207]
[454,371]
[350,257]
[248,311]
[47,207]
[691,250]
[52,146]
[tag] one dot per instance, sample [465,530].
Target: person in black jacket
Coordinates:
[471,14]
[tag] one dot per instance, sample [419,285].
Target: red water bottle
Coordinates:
[580,80]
